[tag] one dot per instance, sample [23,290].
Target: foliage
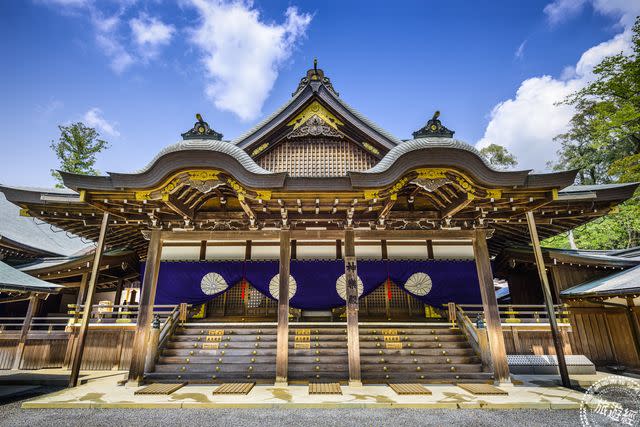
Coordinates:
[76,149]
[604,143]
[498,156]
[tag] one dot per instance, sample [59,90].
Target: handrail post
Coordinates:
[152,352]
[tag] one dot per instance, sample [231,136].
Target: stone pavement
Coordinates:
[106,393]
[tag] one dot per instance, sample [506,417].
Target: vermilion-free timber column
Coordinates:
[86,313]
[34,302]
[145,310]
[548,301]
[282,344]
[490,307]
[353,335]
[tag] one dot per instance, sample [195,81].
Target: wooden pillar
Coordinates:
[548,301]
[34,303]
[82,290]
[353,335]
[118,296]
[282,344]
[86,313]
[490,307]
[145,310]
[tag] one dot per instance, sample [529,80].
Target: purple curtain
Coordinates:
[452,281]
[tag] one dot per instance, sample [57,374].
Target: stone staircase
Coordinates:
[219,352]
[418,353]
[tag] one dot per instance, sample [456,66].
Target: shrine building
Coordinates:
[316,246]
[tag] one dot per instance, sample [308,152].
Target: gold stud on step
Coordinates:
[251,368]
[418,369]
[217,368]
[191,353]
[439,345]
[254,352]
[453,369]
[415,360]
[448,360]
[421,377]
[253,359]
[222,352]
[183,368]
[384,368]
[380,352]
[386,377]
[220,360]
[213,377]
[317,368]
[317,359]
[412,352]
[187,360]
[444,352]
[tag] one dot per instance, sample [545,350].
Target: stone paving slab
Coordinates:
[105,393]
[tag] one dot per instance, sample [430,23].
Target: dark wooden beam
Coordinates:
[178,207]
[203,250]
[86,313]
[456,206]
[429,249]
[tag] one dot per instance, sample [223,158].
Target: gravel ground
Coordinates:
[12,415]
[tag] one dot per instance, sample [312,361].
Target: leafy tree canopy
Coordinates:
[76,149]
[498,156]
[603,141]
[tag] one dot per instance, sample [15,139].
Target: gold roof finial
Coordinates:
[315,65]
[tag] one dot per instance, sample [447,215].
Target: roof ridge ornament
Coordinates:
[433,128]
[201,130]
[315,74]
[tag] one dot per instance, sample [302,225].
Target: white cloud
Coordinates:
[241,53]
[150,34]
[93,118]
[560,10]
[527,123]
[520,51]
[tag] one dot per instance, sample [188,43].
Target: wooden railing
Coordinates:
[519,313]
[525,328]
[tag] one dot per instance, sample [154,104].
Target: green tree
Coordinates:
[498,156]
[76,149]
[603,141]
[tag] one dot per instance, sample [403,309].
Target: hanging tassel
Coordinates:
[243,286]
[388,283]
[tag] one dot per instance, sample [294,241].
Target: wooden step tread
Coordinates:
[325,388]
[409,388]
[234,388]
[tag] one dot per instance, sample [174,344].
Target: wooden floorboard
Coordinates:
[482,389]
[408,388]
[160,388]
[325,388]
[234,388]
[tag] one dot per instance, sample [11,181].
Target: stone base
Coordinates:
[355,383]
[281,384]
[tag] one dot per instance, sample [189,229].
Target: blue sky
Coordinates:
[139,71]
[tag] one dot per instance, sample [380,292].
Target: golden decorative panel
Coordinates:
[302,345]
[214,338]
[392,338]
[210,345]
[393,346]
[216,331]
[315,109]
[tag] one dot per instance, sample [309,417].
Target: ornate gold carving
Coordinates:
[263,194]
[186,177]
[494,193]
[302,345]
[236,186]
[370,148]
[24,212]
[554,194]
[393,346]
[260,149]
[431,173]
[315,108]
[371,194]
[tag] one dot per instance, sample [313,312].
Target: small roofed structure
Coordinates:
[622,284]
[13,282]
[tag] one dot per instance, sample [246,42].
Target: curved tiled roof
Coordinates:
[420,143]
[224,147]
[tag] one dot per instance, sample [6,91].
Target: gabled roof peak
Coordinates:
[201,130]
[315,77]
[433,128]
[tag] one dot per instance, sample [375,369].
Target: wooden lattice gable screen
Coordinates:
[315,141]
[317,157]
